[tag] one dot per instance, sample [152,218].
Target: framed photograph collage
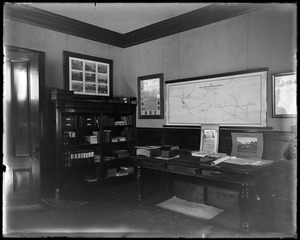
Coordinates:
[87,75]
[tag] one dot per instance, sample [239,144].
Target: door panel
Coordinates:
[21,125]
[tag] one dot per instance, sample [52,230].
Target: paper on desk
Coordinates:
[248,161]
[218,161]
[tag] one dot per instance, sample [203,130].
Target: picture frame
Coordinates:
[284,95]
[232,99]
[209,138]
[88,76]
[151,97]
[247,145]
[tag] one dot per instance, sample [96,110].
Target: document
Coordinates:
[220,160]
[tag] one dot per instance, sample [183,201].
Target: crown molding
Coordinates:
[34,16]
[197,18]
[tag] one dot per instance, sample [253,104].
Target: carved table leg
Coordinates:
[269,203]
[245,207]
[139,183]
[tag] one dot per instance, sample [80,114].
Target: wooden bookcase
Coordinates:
[91,139]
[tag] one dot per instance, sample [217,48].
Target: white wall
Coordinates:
[264,38]
[53,43]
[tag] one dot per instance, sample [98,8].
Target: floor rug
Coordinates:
[191,209]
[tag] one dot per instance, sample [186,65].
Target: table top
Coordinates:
[205,163]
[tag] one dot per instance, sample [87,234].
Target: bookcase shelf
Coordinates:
[85,133]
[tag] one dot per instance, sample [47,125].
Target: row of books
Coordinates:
[78,158]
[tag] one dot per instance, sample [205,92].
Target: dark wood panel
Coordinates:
[275,142]
[22,179]
[20,108]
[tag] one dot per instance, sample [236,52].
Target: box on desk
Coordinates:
[167,153]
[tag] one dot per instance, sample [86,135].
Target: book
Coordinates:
[199,153]
[148,151]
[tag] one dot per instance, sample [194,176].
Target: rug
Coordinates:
[192,209]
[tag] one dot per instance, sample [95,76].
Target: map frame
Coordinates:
[248,77]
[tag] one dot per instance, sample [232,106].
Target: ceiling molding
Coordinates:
[197,18]
[44,19]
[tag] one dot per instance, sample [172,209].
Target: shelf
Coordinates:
[80,119]
[80,146]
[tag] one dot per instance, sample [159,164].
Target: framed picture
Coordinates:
[228,99]
[247,145]
[284,90]
[87,75]
[150,97]
[209,138]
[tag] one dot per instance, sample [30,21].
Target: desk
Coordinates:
[252,182]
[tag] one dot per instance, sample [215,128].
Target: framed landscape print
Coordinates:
[88,75]
[150,96]
[284,89]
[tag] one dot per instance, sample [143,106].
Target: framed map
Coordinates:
[230,99]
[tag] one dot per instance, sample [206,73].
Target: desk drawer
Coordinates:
[155,165]
[69,121]
[222,175]
[182,169]
[88,121]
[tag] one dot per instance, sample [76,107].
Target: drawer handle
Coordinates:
[68,124]
[68,119]
[88,124]
[88,119]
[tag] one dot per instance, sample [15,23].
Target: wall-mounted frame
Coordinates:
[228,99]
[151,97]
[88,75]
[284,94]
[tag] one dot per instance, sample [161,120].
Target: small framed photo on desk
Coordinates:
[247,145]
[209,141]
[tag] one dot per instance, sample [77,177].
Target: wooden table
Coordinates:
[254,183]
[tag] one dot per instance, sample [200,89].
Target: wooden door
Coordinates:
[21,128]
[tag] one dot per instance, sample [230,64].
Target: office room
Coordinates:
[126,120]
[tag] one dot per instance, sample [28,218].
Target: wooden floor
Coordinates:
[113,210]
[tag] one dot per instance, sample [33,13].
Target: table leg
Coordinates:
[245,207]
[269,203]
[139,183]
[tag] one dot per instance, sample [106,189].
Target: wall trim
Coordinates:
[194,19]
